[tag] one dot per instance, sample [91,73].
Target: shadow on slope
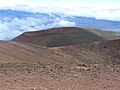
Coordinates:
[59,37]
[107,52]
[94,53]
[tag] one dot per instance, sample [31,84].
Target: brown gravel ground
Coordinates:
[38,76]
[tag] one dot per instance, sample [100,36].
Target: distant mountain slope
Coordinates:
[107,52]
[76,45]
[65,36]
[59,37]
[13,52]
[94,53]
[109,35]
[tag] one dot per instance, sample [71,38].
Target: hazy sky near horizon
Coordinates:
[87,1]
[8,2]
[62,3]
[72,0]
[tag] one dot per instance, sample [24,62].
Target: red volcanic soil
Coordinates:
[93,53]
[65,36]
[40,76]
[86,59]
[14,52]
[59,37]
[62,30]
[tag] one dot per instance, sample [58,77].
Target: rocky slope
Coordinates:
[38,76]
[12,52]
[85,60]
[93,47]
[107,52]
[65,36]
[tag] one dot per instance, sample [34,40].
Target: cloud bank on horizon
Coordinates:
[18,16]
[99,9]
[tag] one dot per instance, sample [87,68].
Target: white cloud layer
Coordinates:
[12,27]
[66,23]
[105,11]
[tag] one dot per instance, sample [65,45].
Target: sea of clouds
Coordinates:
[105,11]
[14,23]
[19,16]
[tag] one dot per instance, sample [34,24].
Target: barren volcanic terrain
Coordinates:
[66,36]
[66,58]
